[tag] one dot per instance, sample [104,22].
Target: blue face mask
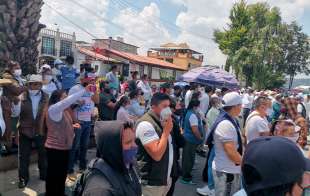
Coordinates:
[129,155]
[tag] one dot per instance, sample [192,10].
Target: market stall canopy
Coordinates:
[210,76]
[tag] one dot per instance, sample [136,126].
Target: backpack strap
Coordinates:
[104,169]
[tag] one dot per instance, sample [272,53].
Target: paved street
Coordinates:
[9,181]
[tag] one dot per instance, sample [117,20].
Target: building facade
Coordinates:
[178,54]
[116,44]
[56,45]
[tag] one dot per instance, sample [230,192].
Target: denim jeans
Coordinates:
[226,184]
[210,175]
[80,146]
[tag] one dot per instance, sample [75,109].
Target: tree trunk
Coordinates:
[20,28]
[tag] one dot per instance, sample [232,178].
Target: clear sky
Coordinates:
[149,23]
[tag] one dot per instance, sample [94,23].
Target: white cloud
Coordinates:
[84,18]
[203,16]
[144,28]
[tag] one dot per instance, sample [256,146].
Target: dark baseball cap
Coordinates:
[277,161]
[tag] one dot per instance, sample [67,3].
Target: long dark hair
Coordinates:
[55,97]
[193,103]
[122,102]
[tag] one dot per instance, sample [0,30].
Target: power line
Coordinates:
[126,4]
[70,21]
[104,19]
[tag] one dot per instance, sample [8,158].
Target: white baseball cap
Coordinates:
[232,99]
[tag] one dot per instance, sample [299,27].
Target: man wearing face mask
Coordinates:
[113,172]
[156,158]
[68,74]
[5,111]
[194,134]
[83,114]
[107,102]
[49,85]
[274,166]
[256,124]
[13,73]
[32,109]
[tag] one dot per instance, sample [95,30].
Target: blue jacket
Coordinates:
[68,77]
[224,116]
[188,133]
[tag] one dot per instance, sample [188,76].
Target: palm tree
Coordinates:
[19,32]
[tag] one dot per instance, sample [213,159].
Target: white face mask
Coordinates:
[48,78]
[33,92]
[165,113]
[127,107]
[269,111]
[18,72]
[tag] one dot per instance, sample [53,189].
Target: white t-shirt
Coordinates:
[188,97]
[147,134]
[255,125]
[204,103]
[299,108]
[193,120]
[249,100]
[2,123]
[84,112]
[49,88]
[225,132]
[240,193]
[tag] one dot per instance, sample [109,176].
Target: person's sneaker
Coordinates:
[187,182]
[204,191]
[22,183]
[72,177]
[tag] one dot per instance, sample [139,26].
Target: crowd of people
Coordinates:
[147,136]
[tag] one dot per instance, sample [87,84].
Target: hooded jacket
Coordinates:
[108,136]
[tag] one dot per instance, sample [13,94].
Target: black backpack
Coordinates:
[100,167]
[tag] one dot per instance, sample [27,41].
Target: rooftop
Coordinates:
[119,39]
[174,46]
[89,52]
[146,60]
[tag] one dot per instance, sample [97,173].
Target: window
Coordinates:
[65,48]
[48,46]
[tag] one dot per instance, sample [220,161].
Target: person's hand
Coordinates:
[168,125]
[76,125]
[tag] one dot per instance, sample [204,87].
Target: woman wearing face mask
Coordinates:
[59,139]
[49,86]
[286,128]
[13,73]
[194,134]
[115,173]
[121,110]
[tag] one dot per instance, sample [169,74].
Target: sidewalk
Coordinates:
[36,187]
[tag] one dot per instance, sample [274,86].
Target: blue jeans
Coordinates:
[80,146]
[210,175]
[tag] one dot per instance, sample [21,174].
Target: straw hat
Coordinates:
[35,78]
[4,82]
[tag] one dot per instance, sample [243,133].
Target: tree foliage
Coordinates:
[259,46]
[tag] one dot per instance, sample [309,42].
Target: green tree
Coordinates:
[297,52]
[256,43]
